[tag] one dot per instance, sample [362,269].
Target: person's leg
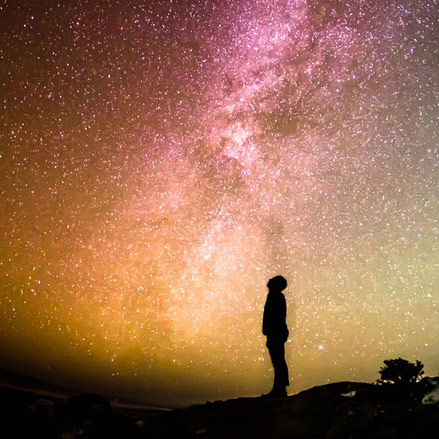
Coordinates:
[277,354]
[281,367]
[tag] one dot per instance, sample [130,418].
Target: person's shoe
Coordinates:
[276,393]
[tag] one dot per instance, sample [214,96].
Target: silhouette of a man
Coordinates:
[275,328]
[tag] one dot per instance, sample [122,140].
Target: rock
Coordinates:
[43,408]
[349,394]
[89,407]
[140,424]
[431,397]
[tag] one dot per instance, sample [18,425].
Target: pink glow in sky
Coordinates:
[161,161]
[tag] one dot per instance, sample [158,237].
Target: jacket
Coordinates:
[275,313]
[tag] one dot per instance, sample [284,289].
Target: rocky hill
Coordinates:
[340,410]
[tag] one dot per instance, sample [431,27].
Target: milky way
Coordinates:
[161,160]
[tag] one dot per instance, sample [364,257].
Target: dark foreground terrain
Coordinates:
[340,410]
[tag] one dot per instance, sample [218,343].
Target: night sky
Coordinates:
[161,160]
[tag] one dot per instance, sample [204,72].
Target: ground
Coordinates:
[340,410]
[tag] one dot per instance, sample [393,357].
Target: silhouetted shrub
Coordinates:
[400,371]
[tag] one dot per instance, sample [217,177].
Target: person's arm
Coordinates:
[284,308]
[284,318]
[264,320]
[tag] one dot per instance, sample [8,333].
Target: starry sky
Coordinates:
[161,160]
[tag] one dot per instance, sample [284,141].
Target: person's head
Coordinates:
[277,283]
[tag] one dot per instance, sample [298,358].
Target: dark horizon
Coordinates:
[64,388]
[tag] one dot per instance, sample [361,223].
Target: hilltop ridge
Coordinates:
[338,410]
[335,411]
